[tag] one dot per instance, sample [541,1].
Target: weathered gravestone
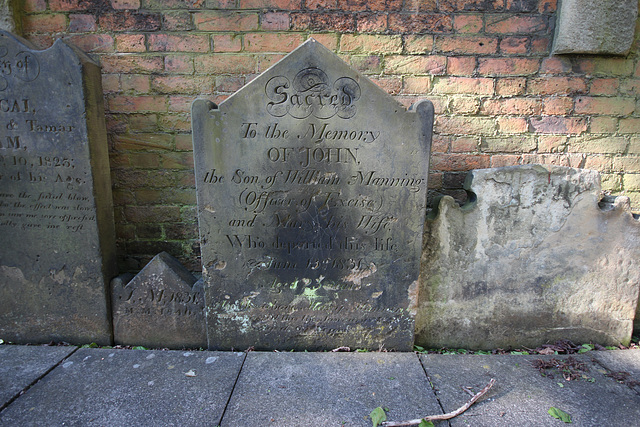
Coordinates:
[311,185]
[162,306]
[56,214]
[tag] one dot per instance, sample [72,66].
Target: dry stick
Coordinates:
[446,416]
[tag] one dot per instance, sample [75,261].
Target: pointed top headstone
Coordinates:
[311,185]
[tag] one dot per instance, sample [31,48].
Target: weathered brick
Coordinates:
[225,21]
[272,42]
[631,182]
[540,45]
[371,22]
[459,162]
[82,23]
[175,122]
[508,66]
[51,23]
[181,84]
[417,85]
[144,160]
[125,4]
[630,87]
[612,106]
[603,124]
[547,6]
[180,104]
[521,5]
[552,144]
[630,125]
[556,65]
[227,43]
[470,5]
[597,145]
[146,122]
[604,87]
[515,24]
[152,214]
[225,64]
[504,160]
[143,141]
[91,43]
[130,43]
[178,42]
[511,86]
[275,21]
[465,144]
[464,125]
[186,4]
[68,5]
[337,21]
[361,5]
[558,106]
[559,125]
[130,21]
[367,43]
[420,24]
[184,142]
[461,65]
[177,160]
[139,83]
[418,44]
[511,144]
[605,66]
[466,23]
[30,6]
[465,105]
[508,124]
[556,86]
[328,40]
[270,4]
[466,85]
[474,45]
[513,45]
[137,103]
[110,83]
[321,4]
[626,163]
[131,64]
[415,64]
[267,60]
[391,85]
[178,64]
[512,106]
[177,21]
[634,145]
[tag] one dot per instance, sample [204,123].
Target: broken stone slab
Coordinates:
[529,260]
[161,307]
[595,26]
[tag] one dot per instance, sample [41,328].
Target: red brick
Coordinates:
[461,65]
[459,162]
[328,40]
[470,5]
[391,85]
[144,160]
[463,85]
[91,43]
[604,87]
[143,122]
[510,86]
[181,84]
[424,23]
[507,66]
[465,145]
[464,125]
[361,5]
[547,6]
[227,43]
[540,45]
[371,22]
[415,64]
[68,5]
[175,122]
[512,106]
[513,45]
[34,6]
[367,43]
[367,64]
[504,160]
[603,124]
[421,6]
[417,85]
[110,83]
[418,44]
[515,24]
[180,104]
[275,21]
[521,5]
[512,124]
[551,144]
[612,106]
[630,125]
[152,214]
[559,125]
[177,160]
[556,65]
[125,4]
[131,64]
[229,83]
[226,21]
[321,4]
[606,66]
[557,86]
[267,60]
[468,23]
[509,144]
[143,141]
[184,142]
[269,4]
[225,64]
[272,42]
[177,21]
[130,43]
[465,105]
[630,87]
[130,21]
[137,103]
[178,64]
[52,23]
[558,106]
[82,23]
[338,21]
[178,43]
[466,44]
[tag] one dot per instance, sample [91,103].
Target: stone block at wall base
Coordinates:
[531,259]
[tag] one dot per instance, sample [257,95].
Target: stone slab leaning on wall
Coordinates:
[531,259]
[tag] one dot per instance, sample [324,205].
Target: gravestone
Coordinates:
[56,215]
[162,306]
[311,185]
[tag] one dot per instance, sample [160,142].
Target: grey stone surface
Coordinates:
[160,307]
[10,16]
[531,259]
[56,210]
[98,387]
[21,366]
[328,389]
[521,396]
[626,363]
[311,185]
[595,26]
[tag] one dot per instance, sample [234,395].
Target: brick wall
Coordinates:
[500,98]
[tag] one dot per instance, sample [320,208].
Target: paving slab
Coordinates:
[522,396]
[624,363]
[328,389]
[130,387]
[21,366]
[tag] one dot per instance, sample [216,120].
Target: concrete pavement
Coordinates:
[70,386]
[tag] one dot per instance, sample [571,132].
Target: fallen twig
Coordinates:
[446,416]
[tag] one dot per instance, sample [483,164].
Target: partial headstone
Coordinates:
[531,259]
[311,185]
[10,16]
[595,26]
[161,307]
[56,212]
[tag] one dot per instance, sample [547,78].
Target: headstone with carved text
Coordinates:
[311,185]
[56,215]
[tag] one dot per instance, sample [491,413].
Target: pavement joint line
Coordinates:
[433,390]
[224,411]
[34,382]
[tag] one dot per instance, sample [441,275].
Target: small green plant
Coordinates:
[585,348]
[559,414]
[92,345]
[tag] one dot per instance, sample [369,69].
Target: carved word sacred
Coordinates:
[311,185]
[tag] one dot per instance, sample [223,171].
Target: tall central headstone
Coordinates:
[311,185]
